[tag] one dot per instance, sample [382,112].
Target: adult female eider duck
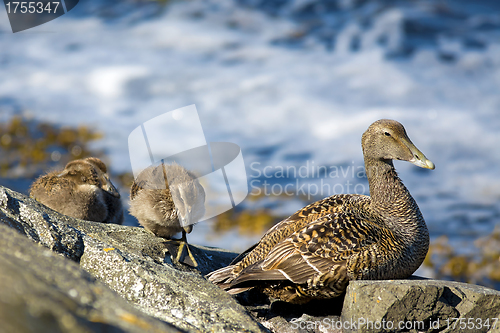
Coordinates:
[82,190]
[316,251]
[168,199]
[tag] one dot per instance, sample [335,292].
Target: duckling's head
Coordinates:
[386,140]
[89,171]
[189,200]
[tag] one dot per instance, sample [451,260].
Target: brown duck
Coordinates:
[316,251]
[82,190]
[168,199]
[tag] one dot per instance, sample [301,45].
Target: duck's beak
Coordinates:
[185,221]
[423,163]
[110,188]
[419,158]
[188,228]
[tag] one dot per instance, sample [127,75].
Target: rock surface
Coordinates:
[44,291]
[280,317]
[420,305]
[131,262]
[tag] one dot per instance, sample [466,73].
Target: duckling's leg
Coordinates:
[179,249]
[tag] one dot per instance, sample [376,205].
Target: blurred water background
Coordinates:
[294,83]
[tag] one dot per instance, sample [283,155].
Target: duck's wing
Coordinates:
[277,231]
[243,254]
[322,247]
[280,231]
[280,238]
[308,215]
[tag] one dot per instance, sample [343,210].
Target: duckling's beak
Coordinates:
[185,221]
[110,188]
[188,228]
[419,158]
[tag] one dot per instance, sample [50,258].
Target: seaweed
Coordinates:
[29,147]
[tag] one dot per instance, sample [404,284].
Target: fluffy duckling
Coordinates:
[316,251]
[152,198]
[82,190]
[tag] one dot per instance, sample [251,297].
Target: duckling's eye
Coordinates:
[72,173]
[387,134]
[84,179]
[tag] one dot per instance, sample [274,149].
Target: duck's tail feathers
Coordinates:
[222,277]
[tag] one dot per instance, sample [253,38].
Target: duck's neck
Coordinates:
[391,200]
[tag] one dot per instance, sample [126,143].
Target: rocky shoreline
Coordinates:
[67,275]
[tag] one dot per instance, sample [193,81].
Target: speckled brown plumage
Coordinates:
[316,251]
[82,190]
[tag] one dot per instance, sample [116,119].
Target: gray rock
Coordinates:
[44,292]
[131,262]
[420,305]
[318,316]
[40,224]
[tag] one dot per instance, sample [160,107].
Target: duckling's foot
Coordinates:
[179,249]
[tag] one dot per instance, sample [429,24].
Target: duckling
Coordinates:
[315,252]
[152,198]
[82,190]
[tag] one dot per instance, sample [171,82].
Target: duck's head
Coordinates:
[387,140]
[189,200]
[187,194]
[90,171]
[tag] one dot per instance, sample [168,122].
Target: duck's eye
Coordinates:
[84,179]
[387,134]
